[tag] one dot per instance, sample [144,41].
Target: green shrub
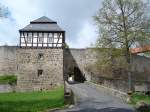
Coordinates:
[8,79]
[140,97]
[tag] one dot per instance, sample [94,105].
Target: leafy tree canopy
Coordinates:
[121,24]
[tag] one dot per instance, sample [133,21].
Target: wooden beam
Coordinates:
[53,40]
[48,31]
[20,40]
[42,38]
[58,37]
[27,39]
[24,38]
[37,38]
[63,40]
[41,47]
[44,43]
[47,39]
[32,39]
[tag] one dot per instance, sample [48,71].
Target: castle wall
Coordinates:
[82,58]
[27,64]
[39,69]
[8,60]
[79,58]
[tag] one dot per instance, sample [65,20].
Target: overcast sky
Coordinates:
[74,16]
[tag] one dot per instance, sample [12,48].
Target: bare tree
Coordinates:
[3,11]
[121,24]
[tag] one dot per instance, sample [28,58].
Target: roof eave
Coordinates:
[43,22]
[22,30]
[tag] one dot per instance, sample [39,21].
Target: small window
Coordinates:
[40,72]
[40,56]
[17,67]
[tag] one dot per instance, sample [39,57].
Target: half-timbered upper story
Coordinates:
[42,33]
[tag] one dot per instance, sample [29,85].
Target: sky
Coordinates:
[74,16]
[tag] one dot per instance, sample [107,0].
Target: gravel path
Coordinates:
[89,99]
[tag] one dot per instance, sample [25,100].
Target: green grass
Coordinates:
[140,97]
[32,101]
[8,79]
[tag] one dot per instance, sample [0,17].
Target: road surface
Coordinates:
[90,99]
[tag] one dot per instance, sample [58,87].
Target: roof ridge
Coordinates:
[44,20]
[42,24]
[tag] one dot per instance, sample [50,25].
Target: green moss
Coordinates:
[31,101]
[8,79]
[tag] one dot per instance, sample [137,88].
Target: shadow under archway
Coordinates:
[78,75]
[71,68]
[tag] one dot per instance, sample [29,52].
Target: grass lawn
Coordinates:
[31,101]
[140,97]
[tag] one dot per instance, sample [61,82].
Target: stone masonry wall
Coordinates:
[39,69]
[8,60]
[84,57]
[81,58]
[27,64]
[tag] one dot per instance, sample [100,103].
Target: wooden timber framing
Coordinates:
[38,39]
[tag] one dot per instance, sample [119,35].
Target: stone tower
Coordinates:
[40,56]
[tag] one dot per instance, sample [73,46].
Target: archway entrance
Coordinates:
[78,76]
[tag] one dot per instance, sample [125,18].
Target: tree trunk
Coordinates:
[128,60]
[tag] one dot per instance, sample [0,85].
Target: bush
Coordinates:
[9,79]
[140,97]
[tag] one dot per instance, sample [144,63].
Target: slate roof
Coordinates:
[42,24]
[43,19]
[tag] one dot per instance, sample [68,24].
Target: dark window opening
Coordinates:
[40,56]
[40,72]
[17,67]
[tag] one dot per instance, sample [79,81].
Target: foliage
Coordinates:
[109,54]
[121,24]
[31,101]
[107,63]
[8,79]
[140,97]
[111,58]
[66,46]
